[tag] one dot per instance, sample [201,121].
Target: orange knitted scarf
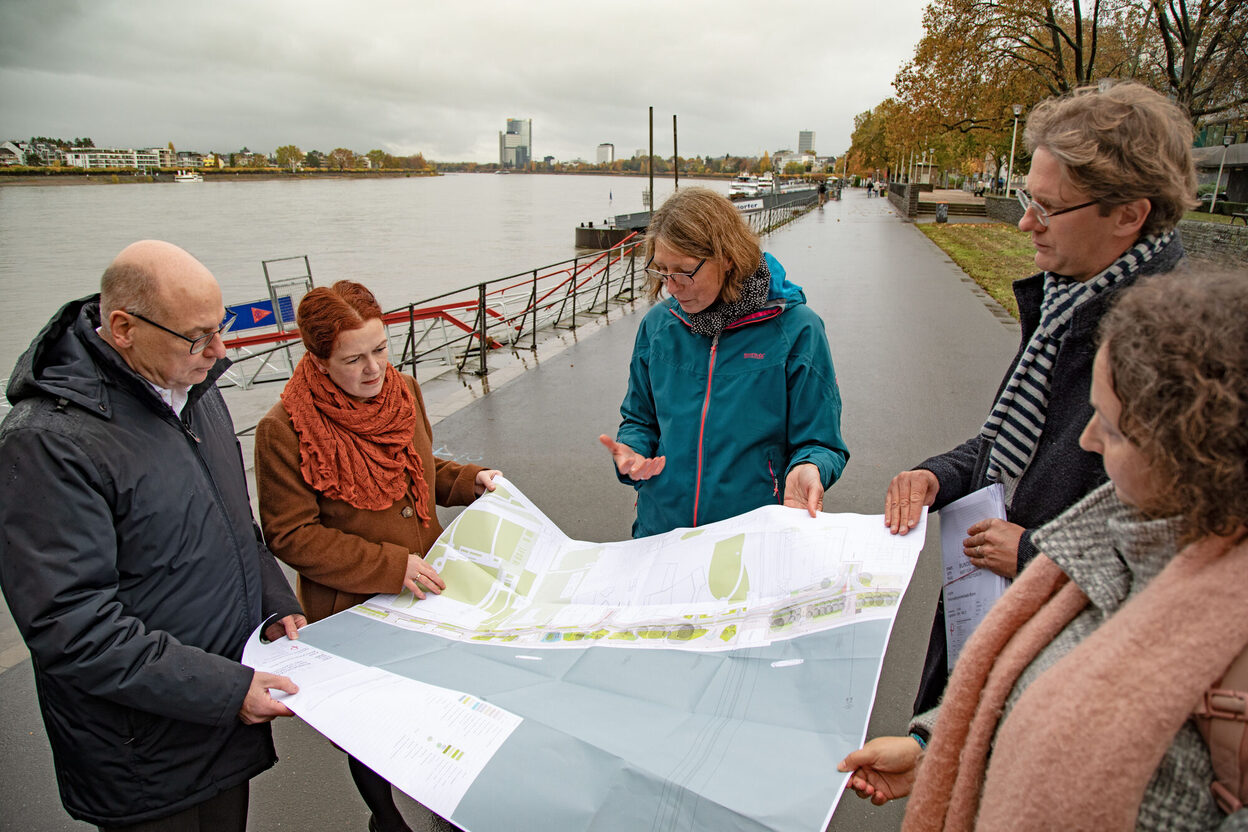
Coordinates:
[359,452]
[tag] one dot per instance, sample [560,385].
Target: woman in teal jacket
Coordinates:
[732,401]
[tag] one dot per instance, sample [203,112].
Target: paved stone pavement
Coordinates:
[918,352]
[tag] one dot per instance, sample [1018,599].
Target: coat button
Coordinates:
[407,511]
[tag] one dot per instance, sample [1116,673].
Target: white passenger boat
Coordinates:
[745,186]
[188,176]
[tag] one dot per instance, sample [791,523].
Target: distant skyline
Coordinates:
[441,80]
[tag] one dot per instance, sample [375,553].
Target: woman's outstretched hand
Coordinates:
[630,463]
[803,488]
[883,769]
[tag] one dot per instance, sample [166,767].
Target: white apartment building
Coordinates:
[606,153]
[97,157]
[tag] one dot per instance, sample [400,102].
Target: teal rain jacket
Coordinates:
[732,414]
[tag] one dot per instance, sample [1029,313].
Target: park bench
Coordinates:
[1242,217]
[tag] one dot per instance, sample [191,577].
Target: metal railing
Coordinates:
[458,329]
[786,208]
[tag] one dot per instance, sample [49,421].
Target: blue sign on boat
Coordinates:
[259,314]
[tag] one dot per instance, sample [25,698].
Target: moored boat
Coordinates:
[745,186]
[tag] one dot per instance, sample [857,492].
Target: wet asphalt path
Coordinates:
[918,351]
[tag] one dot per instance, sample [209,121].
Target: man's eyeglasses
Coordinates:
[199,344]
[681,279]
[1044,214]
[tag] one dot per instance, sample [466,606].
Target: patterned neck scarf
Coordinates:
[1017,418]
[359,452]
[712,320]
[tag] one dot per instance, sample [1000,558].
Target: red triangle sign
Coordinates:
[258,314]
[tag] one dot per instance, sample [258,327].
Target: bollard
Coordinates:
[942,212]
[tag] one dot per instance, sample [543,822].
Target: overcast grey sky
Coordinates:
[440,78]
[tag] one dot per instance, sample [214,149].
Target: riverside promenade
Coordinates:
[918,348]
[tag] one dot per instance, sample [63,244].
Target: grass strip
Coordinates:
[1201,216]
[993,254]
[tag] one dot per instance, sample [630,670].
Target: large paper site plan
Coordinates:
[703,679]
[774,573]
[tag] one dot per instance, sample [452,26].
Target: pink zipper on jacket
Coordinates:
[706,405]
[753,317]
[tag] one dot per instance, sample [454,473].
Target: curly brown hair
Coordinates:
[699,222]
[1120,145]
[1178,355]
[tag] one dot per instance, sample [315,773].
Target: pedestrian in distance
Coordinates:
[129,556]
[732,400]
[347,479]
[1082,700]
[1111,176]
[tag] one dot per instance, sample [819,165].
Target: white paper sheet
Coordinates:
[431,742]
[969,590]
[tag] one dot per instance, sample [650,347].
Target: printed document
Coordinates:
[969,590]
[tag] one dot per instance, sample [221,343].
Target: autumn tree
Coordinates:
[379,158]
[340,158]
[1198,51]
[289,156]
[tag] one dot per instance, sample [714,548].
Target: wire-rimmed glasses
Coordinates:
[681,279]
[1044,214]
[198,344]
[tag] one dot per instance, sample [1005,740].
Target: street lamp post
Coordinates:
[1226,145]
[1009,180]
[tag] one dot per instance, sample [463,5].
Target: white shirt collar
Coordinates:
[174,398]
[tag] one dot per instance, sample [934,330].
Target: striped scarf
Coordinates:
[1017,418]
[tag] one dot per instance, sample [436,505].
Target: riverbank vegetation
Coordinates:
[980,68]
[994,255]
[21,175]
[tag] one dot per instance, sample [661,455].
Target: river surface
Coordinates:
[406,239]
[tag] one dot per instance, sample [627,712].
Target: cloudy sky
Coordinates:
[440,77]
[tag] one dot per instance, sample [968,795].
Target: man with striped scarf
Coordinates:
[1111,176]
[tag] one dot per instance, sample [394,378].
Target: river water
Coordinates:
[406,239]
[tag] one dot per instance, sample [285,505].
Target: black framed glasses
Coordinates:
[1044,214]
[199,344]
[681,279]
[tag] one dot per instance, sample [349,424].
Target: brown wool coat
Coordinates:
[343,554]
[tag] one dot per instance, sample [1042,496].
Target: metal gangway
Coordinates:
[457,330]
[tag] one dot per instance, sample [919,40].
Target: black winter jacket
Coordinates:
[135,572]
[1061,472]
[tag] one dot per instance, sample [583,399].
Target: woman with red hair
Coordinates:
[347,478]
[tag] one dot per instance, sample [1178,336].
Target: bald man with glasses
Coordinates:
[1111,176]
[129,556]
